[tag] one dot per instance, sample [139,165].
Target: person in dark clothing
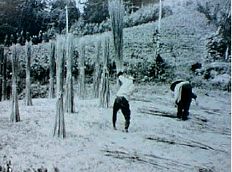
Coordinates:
[183,97]
[160,65]
[121,101]
[123,104]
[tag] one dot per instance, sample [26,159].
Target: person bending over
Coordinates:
[121,101]
[183,96]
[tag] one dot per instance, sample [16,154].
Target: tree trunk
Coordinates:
[1,71]
[15,117]
[116,11]
[28,76]
[59,128]
[4,91]
[69,100]
[160,15]
[51,93]
[82,91]
[104,88]
[227,53]
[97,76]
[157,49]
[66,16]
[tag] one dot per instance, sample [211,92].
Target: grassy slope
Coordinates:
[186,31]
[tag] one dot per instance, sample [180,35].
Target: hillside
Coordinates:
[185,31]
[184,35]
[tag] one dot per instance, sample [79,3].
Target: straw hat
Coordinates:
[173,84]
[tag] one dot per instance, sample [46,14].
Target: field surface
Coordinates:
[156,141]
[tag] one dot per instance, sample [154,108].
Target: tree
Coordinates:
[58,13]
[95,11]
[23,15]
[33,16]
[28,73]
[218,14]
[116,10]
[9,13]
[59,128]
[15,117]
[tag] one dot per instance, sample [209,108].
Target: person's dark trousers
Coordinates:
[121,103]
[184,104]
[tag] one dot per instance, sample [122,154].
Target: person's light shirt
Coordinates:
[126,88]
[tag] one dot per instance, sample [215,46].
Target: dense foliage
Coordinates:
[18,17]
[95,11]
[219,15]
[57,13]
[45,18]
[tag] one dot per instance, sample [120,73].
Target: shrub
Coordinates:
[37,91]
[146,14]
[150,71]
[218,14]
[143,15]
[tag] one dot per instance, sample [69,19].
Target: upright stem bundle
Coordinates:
[59,128]
[15,117]
[116,11]
[82,91]
[97,77]
[1,71]
[28,74]
[51,93]
[69,99]
[104,88]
